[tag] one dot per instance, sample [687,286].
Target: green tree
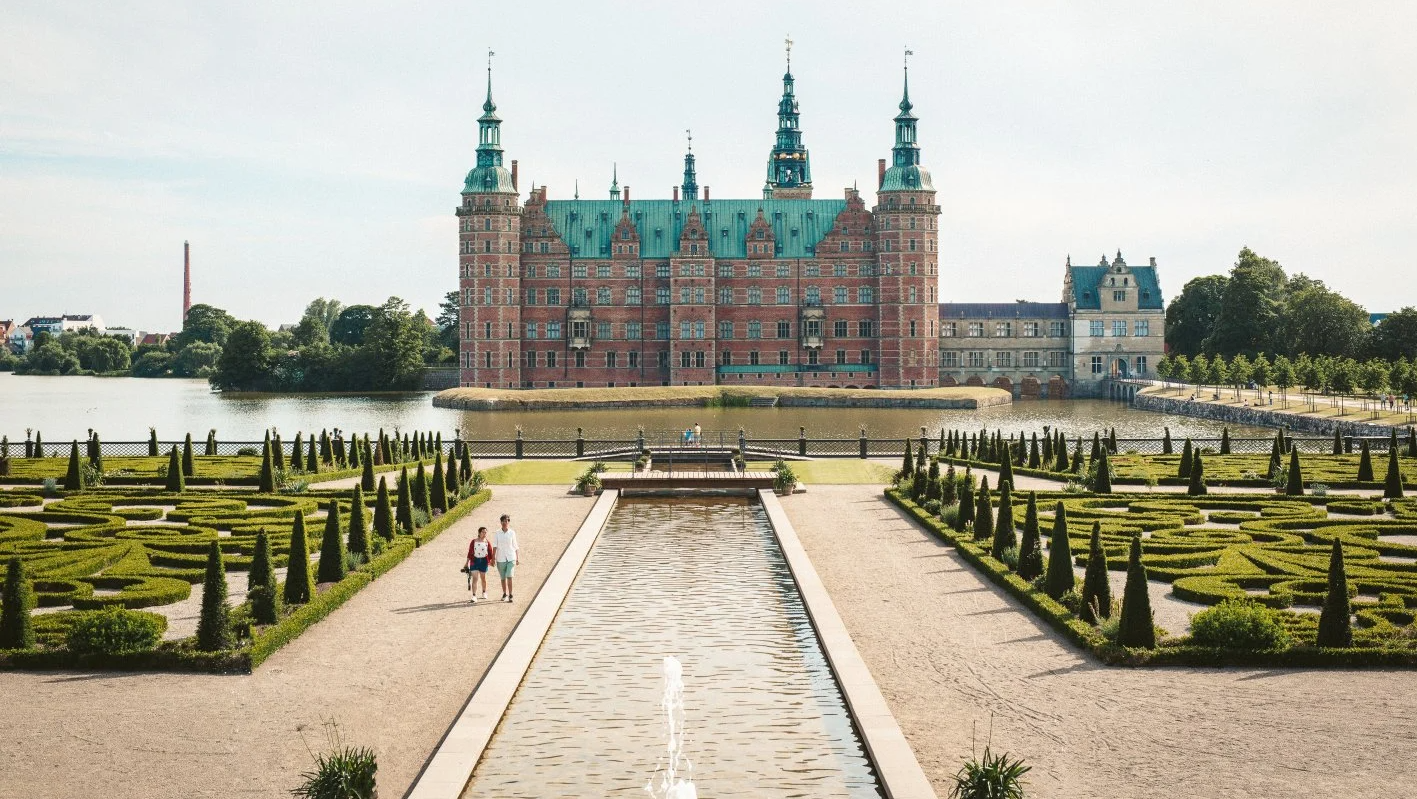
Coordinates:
[1191,315]
[74,477]
[49,358]
[907,463]
[1096,591]
[261,583]
[1241,372]
[1136,628]
[421,499]
[16,606]
[448,318]
[983,513]
[1262,372]
[358,527]
[965,516]
[1365,465]
[1322,322]
[204,323]
[393,344]
[332,551]
[1004,536]
[1295,486]
[383,512]
[366,478]
[315,324]
[154,363]
[1060,578]
[198,359]
[1251,308]
[268,478]
[1335,621]
[1030,554]
[404,509]
[214,625]
[1373,376]
[1181,369]
[349,327]
[176,482]
[1102,480]
[1283,377]
[189,467]
[1392,482]
[1196,487]
[1395,336]
[246,359]
[1165,368]
[299,587]
[1198,370]
[1217,372]
[1183,469]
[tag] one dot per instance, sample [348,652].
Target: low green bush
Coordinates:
[1239,624]
[115,631]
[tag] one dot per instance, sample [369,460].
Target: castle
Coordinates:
[784,290]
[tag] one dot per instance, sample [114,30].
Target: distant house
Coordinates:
[128,334]
[20,339]
[81,321]
[5,326]
[154,338]
[53,325]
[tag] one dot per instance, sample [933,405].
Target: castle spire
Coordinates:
[789,168]
[691,181]
[489,175]
[905,172]
[614,181]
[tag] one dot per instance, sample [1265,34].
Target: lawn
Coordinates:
[539,472]
[835,471]
[215,467]
[1317,468]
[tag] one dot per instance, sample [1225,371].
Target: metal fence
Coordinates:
[861,446]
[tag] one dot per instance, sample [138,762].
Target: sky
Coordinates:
[318,148]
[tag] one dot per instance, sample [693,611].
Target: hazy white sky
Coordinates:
[318,148]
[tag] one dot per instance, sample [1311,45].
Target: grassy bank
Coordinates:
[964,397]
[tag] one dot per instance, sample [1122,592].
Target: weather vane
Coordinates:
[489,61]
[908,54]
[691,139]
[788,40]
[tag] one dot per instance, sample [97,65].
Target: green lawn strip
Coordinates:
[234,470]
[1334,471]
[82,551]
[834,471]
[1277,555]
[544,472]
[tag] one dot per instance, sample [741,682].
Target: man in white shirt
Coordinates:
[506,548]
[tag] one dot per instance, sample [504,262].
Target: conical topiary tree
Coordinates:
[1365,465]
[1224,441]
[450,481]
[1295,486]
[949,487]
[1035,458]
[1112,441]
[261,583]
[404,510]
[420,491]
[1392,483]
[983,513]
[214,625]
[1096,448]
[153,451]
[907,462]
[1183,470]
[1077,457]
[268,476]
[38,445]
[1030,553]
[438,490]
[74,477]
[921,455]
[465,465]
[96,453]
[1166,441]
[1102,480]
[1412,442]
[1060,578]
[351,458]
[1096,591]
[1135,628]
[176,482]
[1275,453]
[1337,442]
[299,587]
[312,459]
[965,516]
[211,442]
[327,457]
[1062,450]
[1335,622]
[358,526]
[383,512]
[1196,487]
[332,568]
[17,602]
[189,468]
[1006,472]
[1004,536]
[278,453]
[366,478]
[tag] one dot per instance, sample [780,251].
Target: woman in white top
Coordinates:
[479,556]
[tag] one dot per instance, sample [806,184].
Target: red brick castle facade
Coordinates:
[783,290]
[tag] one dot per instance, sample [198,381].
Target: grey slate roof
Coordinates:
[1003,310]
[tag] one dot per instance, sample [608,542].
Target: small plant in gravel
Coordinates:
[990,777]
[342,772]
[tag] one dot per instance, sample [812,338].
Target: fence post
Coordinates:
[580,442]
[801,441]
[519,443]
[863,442]
[641,436]
[742,442]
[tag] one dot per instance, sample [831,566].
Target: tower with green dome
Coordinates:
[789,167]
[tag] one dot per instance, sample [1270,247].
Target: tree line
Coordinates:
[1339,375]
[1258,308]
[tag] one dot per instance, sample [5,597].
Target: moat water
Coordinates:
[122,409]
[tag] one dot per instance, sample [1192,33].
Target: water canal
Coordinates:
[702,580]
[124,408]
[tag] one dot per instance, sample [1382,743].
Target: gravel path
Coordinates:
[950,651]
[393,667]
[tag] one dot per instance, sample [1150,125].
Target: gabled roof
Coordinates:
[1087,279]
[799,225]
[1003,310]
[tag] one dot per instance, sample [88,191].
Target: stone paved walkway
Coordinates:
[393,666]
[955,656]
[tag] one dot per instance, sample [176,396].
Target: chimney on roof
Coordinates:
[676,194]
[514,174]
[186,280]
[1153,260]
[706,197]
[627,196]
[880,172]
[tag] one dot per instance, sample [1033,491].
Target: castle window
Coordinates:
[755,295]
[866,328]
[633,332]
[632,270]
[602,270]
[530,330]
[1056,329]
[602,296]
[866,295]
[1119,327]
[725,296]
[602,331]
[755,270]
[632,295]
[1142,327]
[578,297]
[976,329]
[1120,295]
[912,328]
[725,330]
[1094,328]
[976,360]
[578,270]
[1030,360]
[1004,360]
[610,360]
[784,295]
[551,357]
[839,328]
[553,331]
[839,295]
[661,332]
[755,330]
[949,329]
[699,294]
[910,292]
[784,329]
[661,295]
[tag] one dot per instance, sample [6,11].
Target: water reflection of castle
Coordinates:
[782,290]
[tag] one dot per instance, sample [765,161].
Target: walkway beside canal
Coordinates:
[393,667]
[956,657]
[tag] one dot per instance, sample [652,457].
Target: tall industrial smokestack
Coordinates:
[186,280]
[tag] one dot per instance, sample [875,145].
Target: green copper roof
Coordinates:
[1087,282]
[907,178]
[587,225]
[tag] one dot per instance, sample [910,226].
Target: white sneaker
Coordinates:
[474,600]
[484,595]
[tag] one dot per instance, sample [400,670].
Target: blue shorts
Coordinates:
[479,565]
[505,568]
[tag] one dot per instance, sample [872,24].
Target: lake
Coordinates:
[123,408]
